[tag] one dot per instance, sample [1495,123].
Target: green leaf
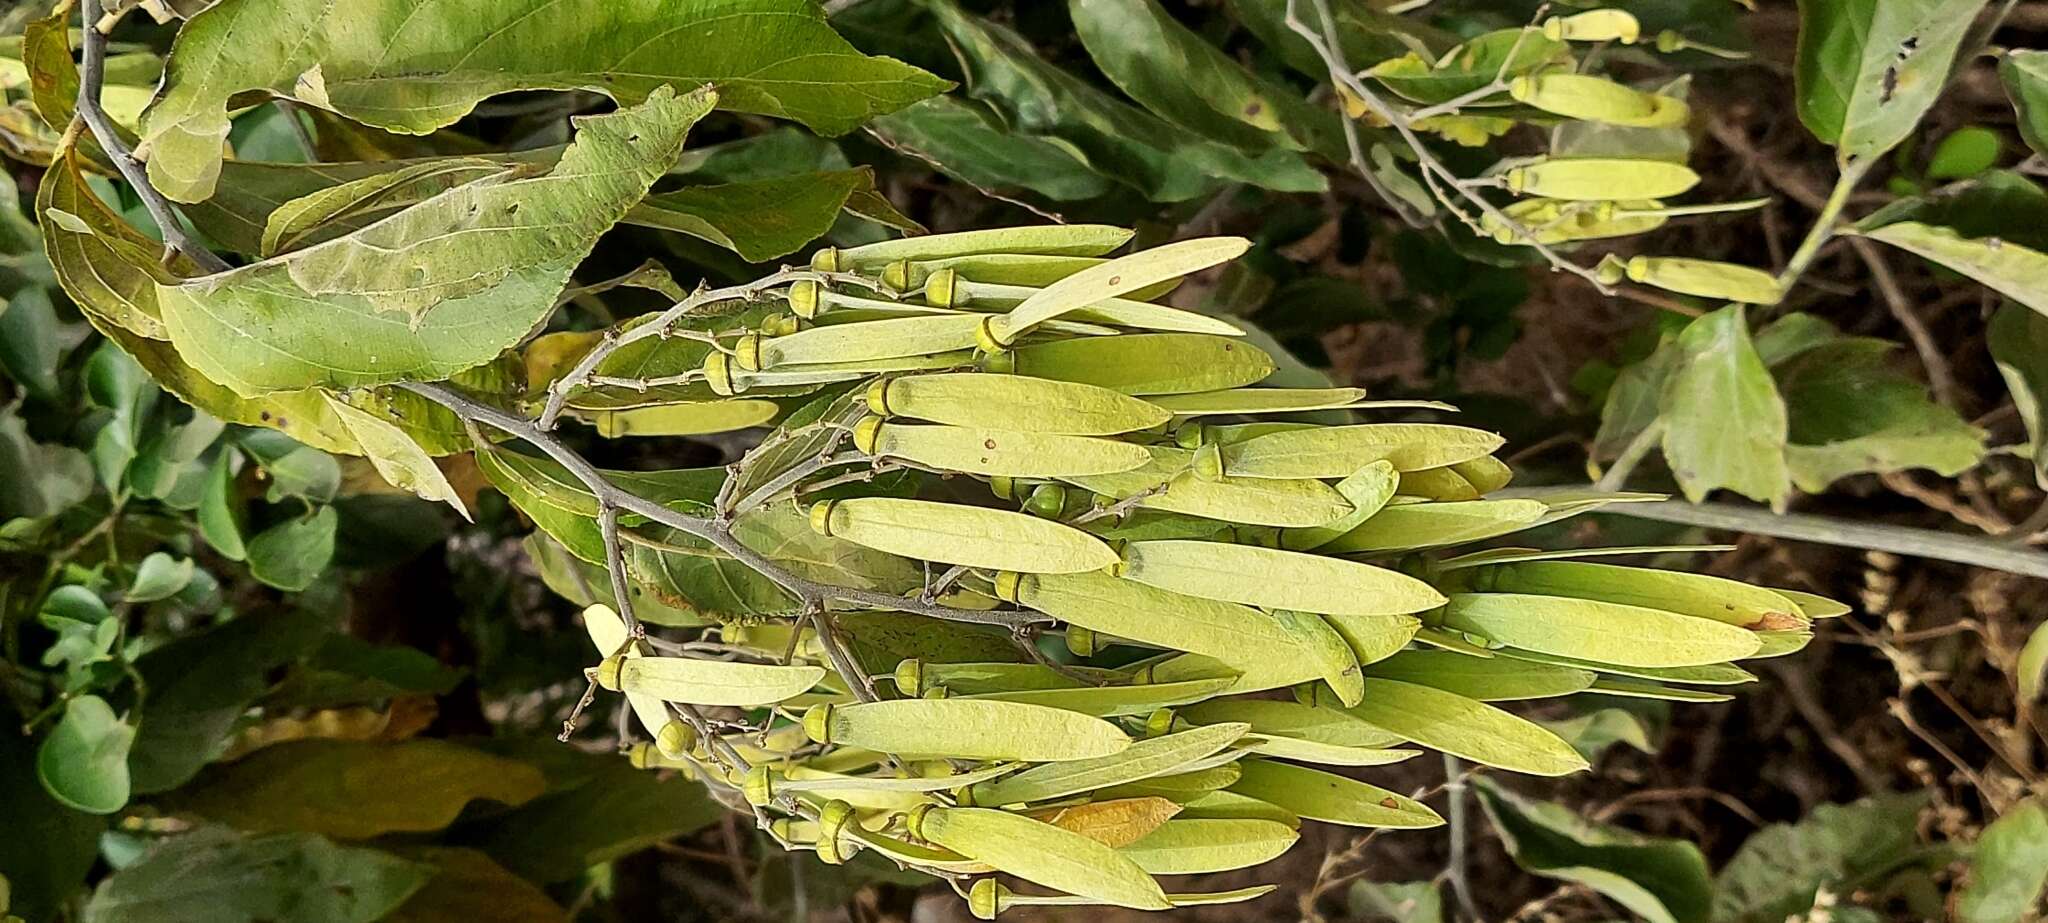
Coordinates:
[1165,162]
[2011,269]
[2018,339]
[1041,853]
[1868,70]
[759,219]
[2008,867]
[2025,73]
[159,576]
[291,554]
[1660,880]
[615,810]
[965,141]
[201,685]
[50,848]
[1595,731]
[84,761]
[356,789]
[1964,153]
[220,508]
[38,480]
[412,66]
[1724,423]
[1488,679]
[31,338]
[420,295]
[222,877]
[399,459]
[294,470]
[2032,668]
[1179,77]
[1779,872]
[1853,410]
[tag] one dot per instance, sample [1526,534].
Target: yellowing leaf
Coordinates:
[1142,760]
[1113,823]
[397,457]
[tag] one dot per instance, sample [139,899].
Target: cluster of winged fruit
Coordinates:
[1247,585]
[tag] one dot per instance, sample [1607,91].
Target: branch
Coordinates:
[810,594]
[658,326]
[1434,173]
[1825,530]
[92,75]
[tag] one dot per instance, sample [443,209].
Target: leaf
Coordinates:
[51,848]
[216,875]
[2032,666]
[1660,880]
[1116,822]
[1041,853]
[1724,423]
[1853,410]
[759,219]
[159,577]
[1465,727]
[422,295]
[2018,339]
[1404,902]
[84,761]
[356,790]
[1867,70]
[41,480]
[400,460]
[412,66]
[1183,79]
[358,203]
[2011,269]
[614,811]
[965,141]
[2008,867]
[291,554]
[1164,162]
[2025,73]
[468,886]
[200,685]
[1964,153]
[1779,872]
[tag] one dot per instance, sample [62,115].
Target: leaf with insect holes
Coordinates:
[1867,70]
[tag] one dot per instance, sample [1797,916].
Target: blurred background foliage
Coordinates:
[353,693]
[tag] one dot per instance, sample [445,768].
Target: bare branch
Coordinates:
[92,75]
